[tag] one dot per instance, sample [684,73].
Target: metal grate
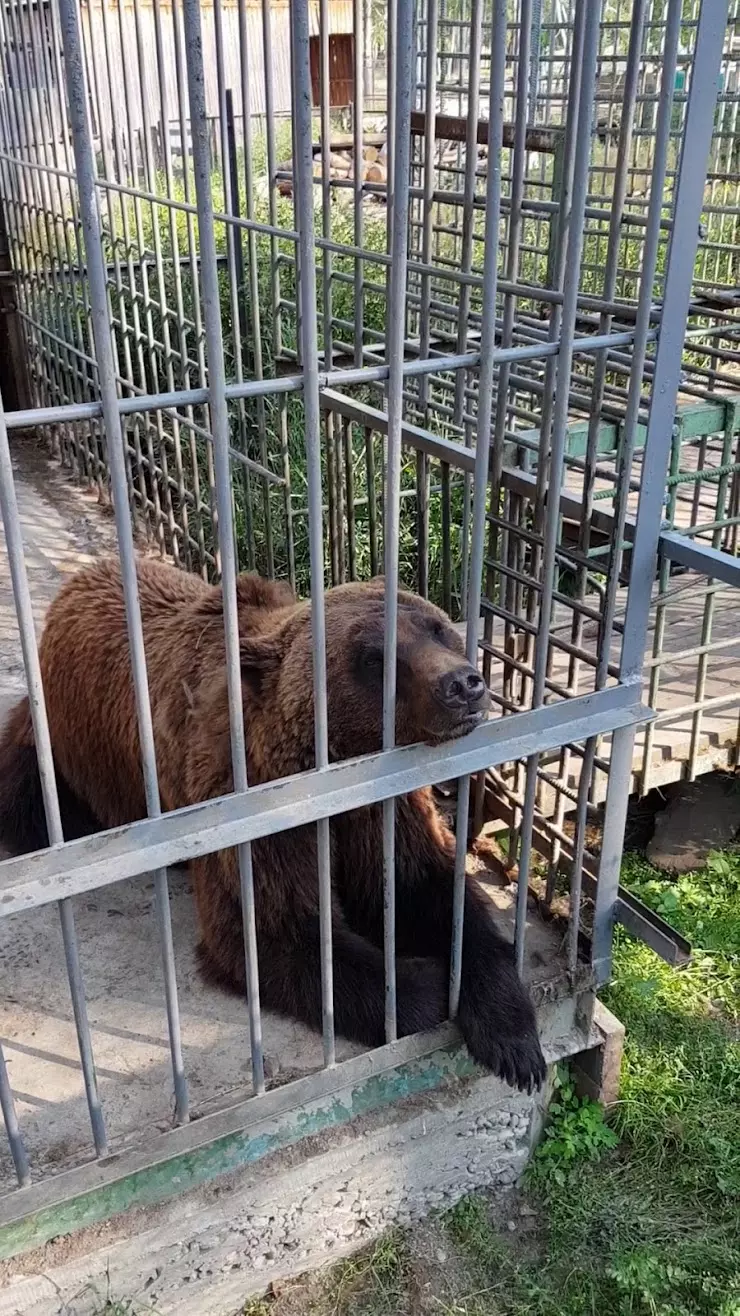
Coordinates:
[262,364]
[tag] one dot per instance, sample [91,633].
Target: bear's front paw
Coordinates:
[517,1059]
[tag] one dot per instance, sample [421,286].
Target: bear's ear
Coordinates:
[377,583]
[262,654]
[254,591]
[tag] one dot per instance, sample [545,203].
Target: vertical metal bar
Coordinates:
[184,371]
[482,451]
[15,1141]
[84,160]
[233,207]
[688,198]
[637,24]
[267,54]
[651,248]
[661,610]
[466,258]
[358,19]
[559,433]
[162,473]
[445,500]
[514,542]
[333,465]
[303,168]
[403,69]
[372,506]
[24,610]
[11,524]
[391,64]
[564,159]
[430,117]
[612,845]
[731,412]
[350,497]
[178,39]
[246,56]
[534,63]
[233,237]
[137,253]
[220,430]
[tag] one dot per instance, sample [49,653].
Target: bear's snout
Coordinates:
[463,691]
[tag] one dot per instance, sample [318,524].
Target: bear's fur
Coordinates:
[85,665]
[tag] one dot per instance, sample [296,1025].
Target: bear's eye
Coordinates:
[438,628]
[372,658]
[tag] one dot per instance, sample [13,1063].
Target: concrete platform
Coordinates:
[207,1251]
[125,996]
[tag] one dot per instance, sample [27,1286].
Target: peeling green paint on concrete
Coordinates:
[203,1165]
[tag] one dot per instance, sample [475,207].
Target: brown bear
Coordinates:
[90,701]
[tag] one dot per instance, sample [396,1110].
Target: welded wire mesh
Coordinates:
[446,344]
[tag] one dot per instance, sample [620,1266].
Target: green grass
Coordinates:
[639,1216]
[652,1226]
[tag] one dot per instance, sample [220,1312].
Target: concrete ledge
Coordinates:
[208,1251]
[597,1070]
[305,1202]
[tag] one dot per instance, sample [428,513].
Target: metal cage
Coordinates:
[486,342]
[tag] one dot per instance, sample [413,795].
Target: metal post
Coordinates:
[482,450]
[559,427]
[84,160]
[687,206]
[15,1141]
[404,59]
[220,429]
[22,596]
[303,165]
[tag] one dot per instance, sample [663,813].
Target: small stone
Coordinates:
[441,1256]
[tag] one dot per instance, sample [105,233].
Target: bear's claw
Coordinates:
[518,1061]
[515,1058]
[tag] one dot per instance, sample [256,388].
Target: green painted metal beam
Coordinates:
[697,420]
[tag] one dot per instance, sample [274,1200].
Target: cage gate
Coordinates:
[486,343]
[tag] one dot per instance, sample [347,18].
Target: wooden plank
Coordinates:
[453,128]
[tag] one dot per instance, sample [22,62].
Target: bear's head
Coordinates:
[439,696]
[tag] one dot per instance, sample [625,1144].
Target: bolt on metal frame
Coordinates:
[168,397]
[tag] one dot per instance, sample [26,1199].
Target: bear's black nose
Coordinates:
[463,688]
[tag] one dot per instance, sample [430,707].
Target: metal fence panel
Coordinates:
[459,356]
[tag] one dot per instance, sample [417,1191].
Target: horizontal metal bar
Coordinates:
[669,715]
[184,834]
[414,436]
[649,927]
[241,1117]
[253,388]
[699,557]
